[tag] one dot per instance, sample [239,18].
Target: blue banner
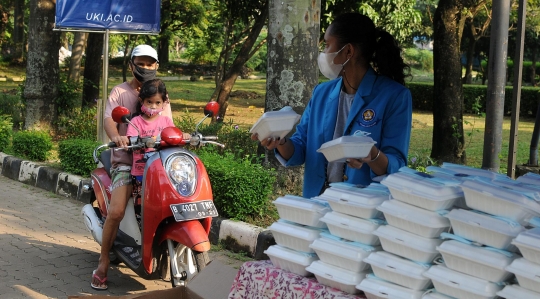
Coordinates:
[118,15]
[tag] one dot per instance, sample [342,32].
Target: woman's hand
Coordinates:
[269,143]
[373,155]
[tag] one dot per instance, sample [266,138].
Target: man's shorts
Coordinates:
[121,176]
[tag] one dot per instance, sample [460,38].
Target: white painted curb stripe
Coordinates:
[28,172]
[244,233]
[69,178]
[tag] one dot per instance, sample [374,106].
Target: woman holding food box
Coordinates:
[365,94]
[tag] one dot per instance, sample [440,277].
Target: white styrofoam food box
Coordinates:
[527,274]
[302,210]
[398,270]
[375,288]
[528,243]
[436,295]
[358,202]
[413,219]
[342,253]
[408,245]
[460,285]
[290,260]
[293,235]
[342,148]
[352,228]
[471,171]
[484,229]
[336,277]
[517,292]
[476,261]
[529,178]
[496,200]
[274,124]
[423,190]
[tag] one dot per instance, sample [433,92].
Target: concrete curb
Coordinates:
[236,236]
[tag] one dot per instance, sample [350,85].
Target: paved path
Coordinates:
[46,251]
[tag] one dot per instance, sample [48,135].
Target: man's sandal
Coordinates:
[102,282]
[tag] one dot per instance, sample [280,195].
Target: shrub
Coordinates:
[474,98]
[6,131]
[76,156]
[81,124]
[33,145]
[241,189]
[12,105]
[69,96]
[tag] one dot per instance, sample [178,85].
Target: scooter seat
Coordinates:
[105,158]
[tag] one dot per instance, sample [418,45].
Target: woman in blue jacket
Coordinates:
[367,93]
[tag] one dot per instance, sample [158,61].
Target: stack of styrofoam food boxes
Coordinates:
[526,269]
[350,239]
[410,239]
[299,225]
[475,260]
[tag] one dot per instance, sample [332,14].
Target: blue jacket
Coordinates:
[381,106]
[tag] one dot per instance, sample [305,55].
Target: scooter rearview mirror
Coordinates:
[172,136]
[121,115]
[211,109]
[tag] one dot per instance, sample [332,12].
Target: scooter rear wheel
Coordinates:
[184,263]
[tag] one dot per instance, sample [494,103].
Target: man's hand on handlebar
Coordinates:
[121,141]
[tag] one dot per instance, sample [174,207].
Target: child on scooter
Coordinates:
[153,98]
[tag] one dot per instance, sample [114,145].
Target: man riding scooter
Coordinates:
[143,64]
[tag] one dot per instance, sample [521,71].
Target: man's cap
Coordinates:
[144,50]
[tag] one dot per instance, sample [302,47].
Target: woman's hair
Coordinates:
[377,46]
[151,88]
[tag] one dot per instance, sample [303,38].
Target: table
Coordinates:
[262,280]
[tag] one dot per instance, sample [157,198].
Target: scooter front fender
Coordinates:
[189,233]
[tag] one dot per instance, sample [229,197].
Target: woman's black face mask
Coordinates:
[141,74]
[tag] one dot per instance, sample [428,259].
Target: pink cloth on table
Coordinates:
[262,280]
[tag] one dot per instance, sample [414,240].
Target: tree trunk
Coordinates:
[76,56]
[533,65]
[470,55]
[127,56]
[448,139]
[42,70]
[292,70]
[224,89]
[93,69]
[64,42]
[18,32]
[163,48]
[4,22]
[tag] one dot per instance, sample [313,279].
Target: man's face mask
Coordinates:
[141,74]
[327,66]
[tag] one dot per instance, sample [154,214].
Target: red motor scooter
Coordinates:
[167,225]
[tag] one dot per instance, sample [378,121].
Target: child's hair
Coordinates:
[151,88]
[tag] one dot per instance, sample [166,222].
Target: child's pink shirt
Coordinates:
[147,128]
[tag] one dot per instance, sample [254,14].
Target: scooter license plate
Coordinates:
[194,210]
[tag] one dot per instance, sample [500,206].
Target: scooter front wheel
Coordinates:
[184,263]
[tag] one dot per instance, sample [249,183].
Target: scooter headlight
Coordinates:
[182,172]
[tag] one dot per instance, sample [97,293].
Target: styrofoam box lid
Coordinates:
[279,116]
[399,265]
[510,228]
[353,223]
[357,196]
[336,273]
[529,238]
[342,247]
[349,140]
[425,185]
[385,289]
[435,295]
[462,281]
[410,239]
[414,214]
[502,193]
[462,169]
[525,268]
[517,292]
[531,190]
[290,255]
[476,254]
[296,230]
[303,203]
[529,178]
